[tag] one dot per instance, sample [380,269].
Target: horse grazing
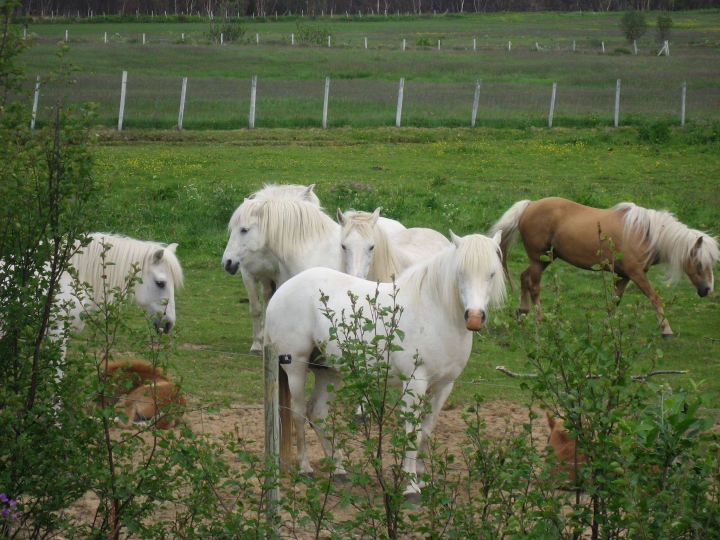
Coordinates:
[275,234]
[644,237]
[565,451]
[372,253]
[160,273]
[149,395]
[442,297]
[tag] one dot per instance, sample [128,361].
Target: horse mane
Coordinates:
[270,192]
[123,254]
[385,263]
[438,276]
[669,241]
[287,224]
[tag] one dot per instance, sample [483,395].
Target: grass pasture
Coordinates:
[183,187]
[439,84]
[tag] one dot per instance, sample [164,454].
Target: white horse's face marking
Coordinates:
[476,287]
[245,239]
[156,293]
[358,250]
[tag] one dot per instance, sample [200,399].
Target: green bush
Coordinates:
[231,30]
[633,24]
[657,131]
[317,34]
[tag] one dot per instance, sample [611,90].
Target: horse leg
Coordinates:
[440,394]
[620,286]
[640,279]
[318,407]
[297,375]
[256,310]
[417,389]
[530,288]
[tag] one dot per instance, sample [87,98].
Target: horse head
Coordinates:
[358,241]
[156,293]
[480,277]
[245,234]
[699,265]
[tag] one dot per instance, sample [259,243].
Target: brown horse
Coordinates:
[148,394]
[644,237]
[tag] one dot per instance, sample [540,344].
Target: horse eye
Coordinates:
[372,247]
[492,276]
[244,230]
[160,284]
[343,246]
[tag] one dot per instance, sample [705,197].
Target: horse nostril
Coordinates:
[703,292]
[168,327]
[483,317]
[467,314]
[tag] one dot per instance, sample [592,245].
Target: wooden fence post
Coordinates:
[122,100]
[37,96]
[552,105]
[617,103]
[325,102]
[253,93]
[272,427]
[182,104]
[398,113]
[682,107]
[475,102]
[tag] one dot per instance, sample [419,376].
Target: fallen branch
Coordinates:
[506,371]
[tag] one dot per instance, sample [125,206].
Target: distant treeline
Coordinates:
[218,8]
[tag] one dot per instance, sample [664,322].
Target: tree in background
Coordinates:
[633,24]
[664,24]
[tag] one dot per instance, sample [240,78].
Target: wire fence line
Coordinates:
[226,103]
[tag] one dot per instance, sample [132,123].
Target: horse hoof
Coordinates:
[342,479]
[310,475]
[412,498]
[361,418]
[668,336]
[519,313]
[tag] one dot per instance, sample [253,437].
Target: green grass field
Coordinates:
[183,187]
[439,85]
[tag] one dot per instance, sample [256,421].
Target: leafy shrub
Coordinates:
[429,40]
[657,131]
[664,24]
[316,34]
[618,51]
[633,24]
[231,30]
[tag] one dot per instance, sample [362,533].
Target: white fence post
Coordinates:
[573,45]
[475,102]
[66,35]
[509,46]
[552,105]
[537,47]
[403,44]
[272,426]
[143,38]
[682,107]
[366,43]
[221,38]
[253,93]
[105,38]
[603,46]
[398,114]
[328,41]
[438,44]
[325,102]
[474,44]
[617,103]
[182,38]
[635,45]
[292,39]
[182,104]
[37,96]
[257,39]
[122,100]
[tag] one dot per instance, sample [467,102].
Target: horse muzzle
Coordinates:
[231,267]
[475,319]
[163,325]
[703,291]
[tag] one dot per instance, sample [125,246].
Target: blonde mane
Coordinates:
[668,241]
[385,263]
[439,276]
[123,254]
[275,192]
[286,224]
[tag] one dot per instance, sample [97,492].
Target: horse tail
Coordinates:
[508,224]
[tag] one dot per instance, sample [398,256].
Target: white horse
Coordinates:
[371,253]
[442,298]
[160,272]
[276,233]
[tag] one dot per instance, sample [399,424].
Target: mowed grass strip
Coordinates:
[185,191]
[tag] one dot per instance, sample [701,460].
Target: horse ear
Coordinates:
[699,242]
[340,217]
[497,237]
[455,239]
[158,255]
[375,216]
[259,208]
[173,247]
[307,192]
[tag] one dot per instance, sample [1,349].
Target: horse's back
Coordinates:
[418,244]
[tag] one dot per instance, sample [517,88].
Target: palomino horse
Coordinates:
[147,393]
[644,237]
[442,298]
[160,273]
[272,238]
[371,253]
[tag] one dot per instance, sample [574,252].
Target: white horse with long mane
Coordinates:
[442,299]
[276,233]
[372,253]
[160,272]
